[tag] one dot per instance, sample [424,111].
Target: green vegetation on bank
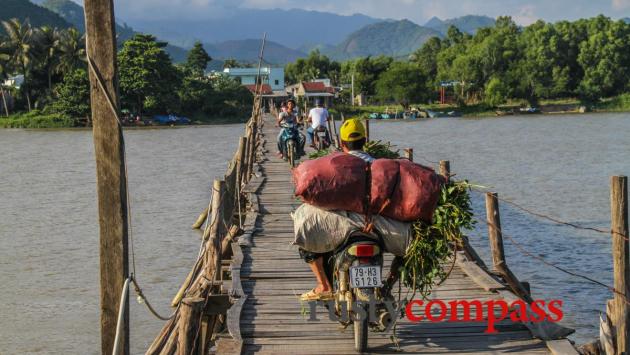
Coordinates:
[37,119]
[588,59]
[54,91]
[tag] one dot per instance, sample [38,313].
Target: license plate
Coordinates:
[365,276]
[321,134]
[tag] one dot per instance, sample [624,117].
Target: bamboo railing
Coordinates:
[202,302]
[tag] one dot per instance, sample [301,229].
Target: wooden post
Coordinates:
[242,146]
[202,218]
[251,156]
[494,230]
[190,313]
[336,135]
[217,229]
[621,262]
[330,131]
[409,153]
[111,178]
[218,188]
[445,169]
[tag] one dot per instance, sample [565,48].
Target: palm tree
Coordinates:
[4,69]
[19,43]
[47,47]
[72,50]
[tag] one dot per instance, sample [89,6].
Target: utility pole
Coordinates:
[352,89]
[111,176]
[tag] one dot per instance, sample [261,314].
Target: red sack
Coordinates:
[399,188]
[334,182]
[403,190]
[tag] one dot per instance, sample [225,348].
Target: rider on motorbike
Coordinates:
[286,116]
[317,116]
[353,138]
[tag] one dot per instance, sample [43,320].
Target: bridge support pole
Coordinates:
[111,178]
[621,262]
[409,153]
[445,169]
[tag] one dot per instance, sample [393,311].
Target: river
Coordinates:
[556,165]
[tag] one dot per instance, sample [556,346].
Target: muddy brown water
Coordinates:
[556,165]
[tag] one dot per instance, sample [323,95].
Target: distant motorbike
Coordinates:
[321,138]
[356,270]
[292,143]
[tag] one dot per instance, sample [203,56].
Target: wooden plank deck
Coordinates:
[273,276]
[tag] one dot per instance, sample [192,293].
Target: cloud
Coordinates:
[620,4]
[526,15]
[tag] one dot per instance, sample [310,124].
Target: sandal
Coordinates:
[317,296]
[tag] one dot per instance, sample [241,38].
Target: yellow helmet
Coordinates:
[352,130]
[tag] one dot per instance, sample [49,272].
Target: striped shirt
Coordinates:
[363,155]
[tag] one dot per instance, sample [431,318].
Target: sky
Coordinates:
[523,11]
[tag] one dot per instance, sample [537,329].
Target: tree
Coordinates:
[231,63]
[198,59]
[47,50]
[402,82]
[71,51]
[496,92]
[230,98]
[147,75]
[73,95]
[366,72]
[315,66]
[4,69]
[426,57]
[604,58]
[19,43]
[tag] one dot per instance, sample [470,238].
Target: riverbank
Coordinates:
[559,106]
[37,119]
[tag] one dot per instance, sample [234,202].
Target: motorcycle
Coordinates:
[320,138]
[292,143]
[356,270]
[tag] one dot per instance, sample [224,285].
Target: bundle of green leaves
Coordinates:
[433,243]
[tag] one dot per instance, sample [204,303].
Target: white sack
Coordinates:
[319,231]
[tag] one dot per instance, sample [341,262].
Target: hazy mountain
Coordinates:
[291,28]
[392,38]
[469,23]
[37,15]
[69,10]
[626,19]
[248,50]
[72,13]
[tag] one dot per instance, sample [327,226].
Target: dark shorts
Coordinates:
[308,256]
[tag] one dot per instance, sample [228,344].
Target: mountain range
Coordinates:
[237,35]
[290,28]
[392,38]
[37,15]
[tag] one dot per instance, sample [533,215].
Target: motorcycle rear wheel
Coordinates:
[361,332]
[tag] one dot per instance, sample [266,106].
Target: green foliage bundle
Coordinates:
[432,243]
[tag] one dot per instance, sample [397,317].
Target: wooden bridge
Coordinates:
[252,305]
